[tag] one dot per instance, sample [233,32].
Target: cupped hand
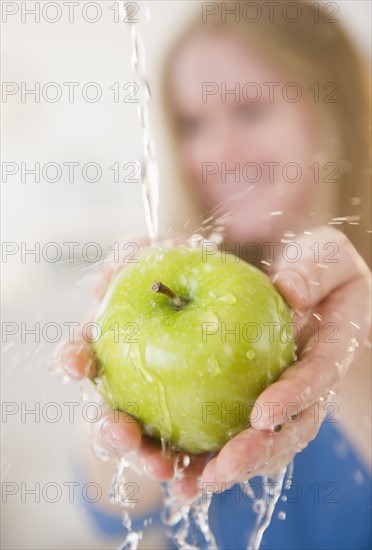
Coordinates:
[328,287]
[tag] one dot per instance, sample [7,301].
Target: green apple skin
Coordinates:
[180,372]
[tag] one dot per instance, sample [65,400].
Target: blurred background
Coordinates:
[35,448]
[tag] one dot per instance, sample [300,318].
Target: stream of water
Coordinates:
[149,165]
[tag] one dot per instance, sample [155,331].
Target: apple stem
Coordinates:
[174,298]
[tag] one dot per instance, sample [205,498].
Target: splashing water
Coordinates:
[188,523]
[118,495]
[264,507]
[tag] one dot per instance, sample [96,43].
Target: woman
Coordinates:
[269,122]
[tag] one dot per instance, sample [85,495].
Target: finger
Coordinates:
[117,431]
[323,261]
[273,468]
[156,464]
[338,331]
[244,454]
[166,467]
[76,359]
[188,487]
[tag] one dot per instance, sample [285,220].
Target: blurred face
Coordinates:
[249,151]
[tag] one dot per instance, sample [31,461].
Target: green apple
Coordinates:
[188,341]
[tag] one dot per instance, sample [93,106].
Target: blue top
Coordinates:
[328,506]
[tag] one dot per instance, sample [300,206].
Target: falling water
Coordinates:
[149,165]
[150,194]
[272,487]
[188,523]
[118,495]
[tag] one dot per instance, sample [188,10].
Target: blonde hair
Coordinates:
[311,52]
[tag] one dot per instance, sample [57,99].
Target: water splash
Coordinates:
[189,523]
[264,507]
[118,495]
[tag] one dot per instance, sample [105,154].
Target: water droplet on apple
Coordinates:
[228,298]
[210,317]
[140,364]
[213,366]
[156,357]
[124,349]
[251,354]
